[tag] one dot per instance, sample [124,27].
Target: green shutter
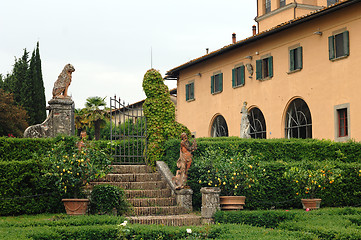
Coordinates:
[346,46]
[187,92]
[233,77]
[192,91]
[258,69]
[299,58]
[331,47]
[270,66]
[212,84]
[242,74]
[221,82]
[292,59]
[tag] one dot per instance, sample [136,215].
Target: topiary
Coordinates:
[105,198]
[159,111]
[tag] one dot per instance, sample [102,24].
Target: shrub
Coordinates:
[73,168]
[105,198]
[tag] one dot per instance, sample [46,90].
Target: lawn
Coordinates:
[325,223]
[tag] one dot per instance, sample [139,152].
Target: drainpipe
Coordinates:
[294,10]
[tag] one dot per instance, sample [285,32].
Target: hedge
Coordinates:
[276,156]
[287,150]
[23,189]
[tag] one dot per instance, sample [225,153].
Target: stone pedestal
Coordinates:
[59,121]
[184,198]
[210,203]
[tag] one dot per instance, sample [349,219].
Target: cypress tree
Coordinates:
[19,76]
[1,81]
[39,90]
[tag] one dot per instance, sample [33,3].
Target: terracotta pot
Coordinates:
[232,202]
[313,203]
[75,206]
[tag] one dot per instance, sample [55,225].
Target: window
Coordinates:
[282,3]
[342,122]
[190,91]
[264,68]
[298,120]
[330,2]
[296,59]
[217,83]
[257,123]
[268,6]
[219,127]
[238,76]
[338,45]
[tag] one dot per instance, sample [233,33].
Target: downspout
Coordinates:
[257,16]
[294,10]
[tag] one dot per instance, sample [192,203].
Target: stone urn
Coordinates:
[311,204]
[232,202]
[75,206]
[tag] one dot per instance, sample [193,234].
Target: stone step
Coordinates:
[178,220]
[121,169]
[131,177]
[155,185]
[152,202]
[160,193]
[146,211]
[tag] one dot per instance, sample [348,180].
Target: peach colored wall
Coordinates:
[321,83]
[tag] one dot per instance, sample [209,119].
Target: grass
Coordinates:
[325,223]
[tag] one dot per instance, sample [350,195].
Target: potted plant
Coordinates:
[311,179]
[231,174]
[73,168]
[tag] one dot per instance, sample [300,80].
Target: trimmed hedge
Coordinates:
[23,189]
[287,150]
[276,156]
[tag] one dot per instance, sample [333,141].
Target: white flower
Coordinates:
[189,230]
[124,223]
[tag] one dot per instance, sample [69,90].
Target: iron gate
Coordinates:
[127,132]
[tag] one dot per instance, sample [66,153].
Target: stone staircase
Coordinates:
[151,197]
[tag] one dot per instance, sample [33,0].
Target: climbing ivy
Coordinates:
[159,111]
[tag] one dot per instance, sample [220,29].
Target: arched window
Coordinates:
[257,123]
[219,127]
[298,120]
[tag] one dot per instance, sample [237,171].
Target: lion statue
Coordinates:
[61,85]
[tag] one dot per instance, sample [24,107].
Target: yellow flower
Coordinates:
[63,170]
[309,175]
[71,162]
[81,160]
[250,166]
[77,173]
[200,181]
[236,186]
[249,186]
[68,171]
[296,181]
[74,155]
[209,171]
[230,162]
[234,174]
[215,185]
[297,193]
[57,166]
[224,183]
[209,184]
[319,186]
[61,174]
[82,151]
[232,178]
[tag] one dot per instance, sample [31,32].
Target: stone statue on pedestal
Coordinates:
[245,126]
[61,116]
[184,161]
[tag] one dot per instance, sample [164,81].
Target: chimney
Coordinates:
[254,30]
[207,49]
[233,38]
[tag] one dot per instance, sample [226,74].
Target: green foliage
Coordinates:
[160,114]
[262,218]
[12,117]
[26,83]
[105,198]
[275,190]
[23,189]
[232,175]
[95,117]
[311,178]
[73,168]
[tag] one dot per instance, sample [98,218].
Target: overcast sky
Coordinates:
[109,42]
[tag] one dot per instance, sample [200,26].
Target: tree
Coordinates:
[80,120]
[95,116]
[39,90]
[12,117]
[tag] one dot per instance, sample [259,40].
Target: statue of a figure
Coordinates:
[81,144]
[244,122]
[61,85]
[184,161]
